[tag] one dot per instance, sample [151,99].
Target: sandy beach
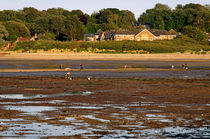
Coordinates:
[95,56]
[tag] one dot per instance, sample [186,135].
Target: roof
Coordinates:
[126,32]
[99,32]
[137,32]
[172,32]
[158,32]
[89,35]
[20,39]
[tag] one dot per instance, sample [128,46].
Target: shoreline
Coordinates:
[88,70]
[97,56]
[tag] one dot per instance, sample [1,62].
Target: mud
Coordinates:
[107,106]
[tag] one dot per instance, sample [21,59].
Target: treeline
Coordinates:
[63,25]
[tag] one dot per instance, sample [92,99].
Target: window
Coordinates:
[144,39]
[151,38]
[138,38]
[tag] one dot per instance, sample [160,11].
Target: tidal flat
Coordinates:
[104,107]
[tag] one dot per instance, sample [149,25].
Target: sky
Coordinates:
[90,6]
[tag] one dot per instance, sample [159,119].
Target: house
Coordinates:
[144,34]
[98,35]
[89,37]
[121,35]
[154,34]
[21,39]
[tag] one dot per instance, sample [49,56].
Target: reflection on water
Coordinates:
[33,110]
[108,120]
[20,96]
[32,96]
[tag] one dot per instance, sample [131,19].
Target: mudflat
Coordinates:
[104,107]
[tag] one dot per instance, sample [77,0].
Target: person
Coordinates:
[185,66]
[172,66]
[81,67]
[61,66]
[67,76]
[125,66]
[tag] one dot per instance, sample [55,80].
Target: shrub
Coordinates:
[167,46]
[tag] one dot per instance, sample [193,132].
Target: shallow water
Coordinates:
[85,126]
[188,74]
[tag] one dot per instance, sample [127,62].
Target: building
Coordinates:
[21,39]
[142,35]
[89,37]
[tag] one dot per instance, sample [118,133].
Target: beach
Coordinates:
[95,56]
[104,99]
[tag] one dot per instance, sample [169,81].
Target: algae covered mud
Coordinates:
[111,107]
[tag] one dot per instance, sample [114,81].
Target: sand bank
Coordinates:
[93,56]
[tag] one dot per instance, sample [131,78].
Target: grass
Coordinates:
[143,47]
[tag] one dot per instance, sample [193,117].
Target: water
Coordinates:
[189,74]
[32,110]
[108,120]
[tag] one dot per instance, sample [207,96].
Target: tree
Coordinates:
[195,33]
[7,15]
[74,29]
[162,7]
[42,25]
[3,32]
[18,28]
[46,36]
[92,26]
[127,20]
[30,14]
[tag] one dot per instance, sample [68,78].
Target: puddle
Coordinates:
[33,110]
[94,118]
[31,96]
[41,130]
[181,132]
[20,96]
[11,120]
[160,118]
[85,107]
[75,93]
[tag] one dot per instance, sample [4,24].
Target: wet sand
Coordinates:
[104,107]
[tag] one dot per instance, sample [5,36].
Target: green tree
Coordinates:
[74,29]
[3,32]
[46,36]
[127,20]
[8,15]
[42,25]
[92,26]
[19,29]
[195,33]
[12,36]
[30,14]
